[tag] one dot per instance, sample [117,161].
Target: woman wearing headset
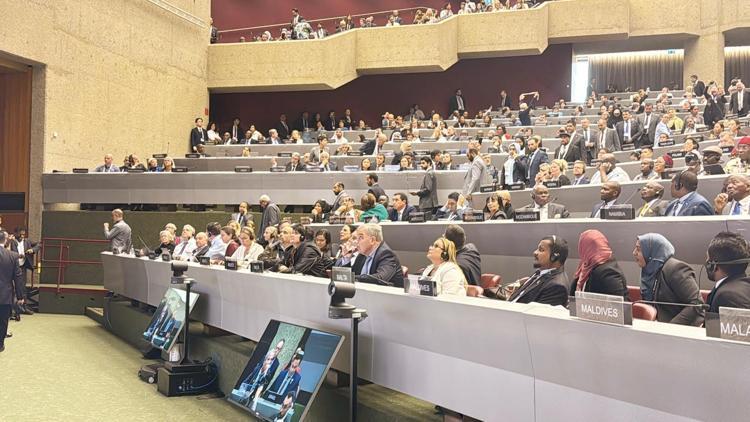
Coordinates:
[444,270]
[665,278]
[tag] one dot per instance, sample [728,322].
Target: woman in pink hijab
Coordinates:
[597,270]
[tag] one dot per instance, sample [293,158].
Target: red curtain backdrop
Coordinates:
[370,96]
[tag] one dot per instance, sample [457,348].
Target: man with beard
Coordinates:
[549,284]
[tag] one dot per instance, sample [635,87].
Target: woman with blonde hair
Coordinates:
[249,249]
[557,170]
[444,269]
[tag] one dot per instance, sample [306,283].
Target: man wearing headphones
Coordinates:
[647,170]
[687,201]
[728,256]
[549,284]
[736,198]
[305,257]
[652,193]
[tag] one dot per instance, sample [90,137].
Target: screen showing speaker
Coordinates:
[285,371]
[169,318]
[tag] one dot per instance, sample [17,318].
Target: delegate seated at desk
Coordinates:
[468,257]
[598,271]
[289,378]
[376,263]
[728,256]
[549,284]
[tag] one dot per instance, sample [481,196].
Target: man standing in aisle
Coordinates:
[427,193]
[119,237]
[11,286]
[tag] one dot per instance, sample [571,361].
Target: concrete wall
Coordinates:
[118,76]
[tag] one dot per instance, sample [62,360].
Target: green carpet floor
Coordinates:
[68,368]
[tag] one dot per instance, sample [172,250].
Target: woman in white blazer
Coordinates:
[444,270]
[248,250]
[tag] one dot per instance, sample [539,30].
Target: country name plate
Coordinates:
[731,324]
[601,308]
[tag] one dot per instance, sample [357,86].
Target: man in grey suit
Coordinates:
[475,175]
[629,130]
[427,193]
[648,121]
[607,138]
[271,215]
[11,286]
[586,141]
[654,206]
[547,209]
[120,235]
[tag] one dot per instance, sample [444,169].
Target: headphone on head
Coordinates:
[555,254]
[444,250]
[711,266]
[678,180]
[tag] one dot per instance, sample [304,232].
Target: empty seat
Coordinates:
[474,291]
[635,293]
[488,281]
[644,311]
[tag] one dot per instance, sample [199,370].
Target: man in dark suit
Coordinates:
[586,138]
[535,158]
[608,193]
[26,250]
[504,100]
[457,103]
[338,190]
[467,255]
[654,206]
[687,202]
[629,130]
[11,286]
[525,109]
[567,151]
[372,181]
[732,287]
[243,216]
[198,135]
[235,132]
[373,146]
[549,284]
[698,86]
[201,246]
[648,122]
[740,100]
[547,209]
[715,102]
[303,123]
[294,164]
[288,380]
[271,215]
[401,209]
[282,128]
[331,123]
[427,193]
[376,263]
[514,169]
[579,174]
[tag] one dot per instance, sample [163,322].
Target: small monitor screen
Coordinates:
[285,371]
[167,322]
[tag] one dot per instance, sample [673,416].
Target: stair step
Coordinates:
[97,314]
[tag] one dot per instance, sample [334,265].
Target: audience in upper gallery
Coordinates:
[654,206]
[687,202]
[732,288]
[736,199]
[567,151]
[608,171]
[667,281]
[242,216]
[372,182]
[740,163]
[444,269]
[107,167]
[468,257]
[249,249]
[547,209]
[201,246]
[375,262]
[271,214]
[609,194]
[549,284]
[372,209]
[198,135]
[598,271]
[647,170]
[184,251]
[166,245]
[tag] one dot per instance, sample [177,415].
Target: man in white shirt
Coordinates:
[609,172]
[663,127]
[338,137]
[608,193]
[736,200]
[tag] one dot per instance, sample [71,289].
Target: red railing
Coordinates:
[63,260]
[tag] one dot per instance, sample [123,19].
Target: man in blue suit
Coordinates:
[535,158]
[687,201]
[288,380]
[401,209]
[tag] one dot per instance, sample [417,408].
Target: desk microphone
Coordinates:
[367,278]
[627,201]
[145,246]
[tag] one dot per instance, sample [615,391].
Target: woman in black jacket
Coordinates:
[305,257]
[597,270]
[667,279]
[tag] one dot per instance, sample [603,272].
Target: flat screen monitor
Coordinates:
[285,371]
[169,318]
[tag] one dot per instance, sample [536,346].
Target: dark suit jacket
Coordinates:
[648,132]
[636,131]
[676,283]
[584,181]
[658,209]
[299,167]
[745,104]
[587,154]
[330,124]
[291,387]
[283,131]
[519,171]
[470,262]
[453,104]
[11,278]
[385,266]
[607,278]
[195,137]
[533,165]
[696,205]
[427,193]
[376,190]
[553,209]
[199,252]
[505,102]
[393,214]
[27,244]
[523,115]
[714,110]
[551,288]
[368,147]
[573,153]
[734,292]
[699,88]
[598,206]
[301,124]
[306,259]
[240,132]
